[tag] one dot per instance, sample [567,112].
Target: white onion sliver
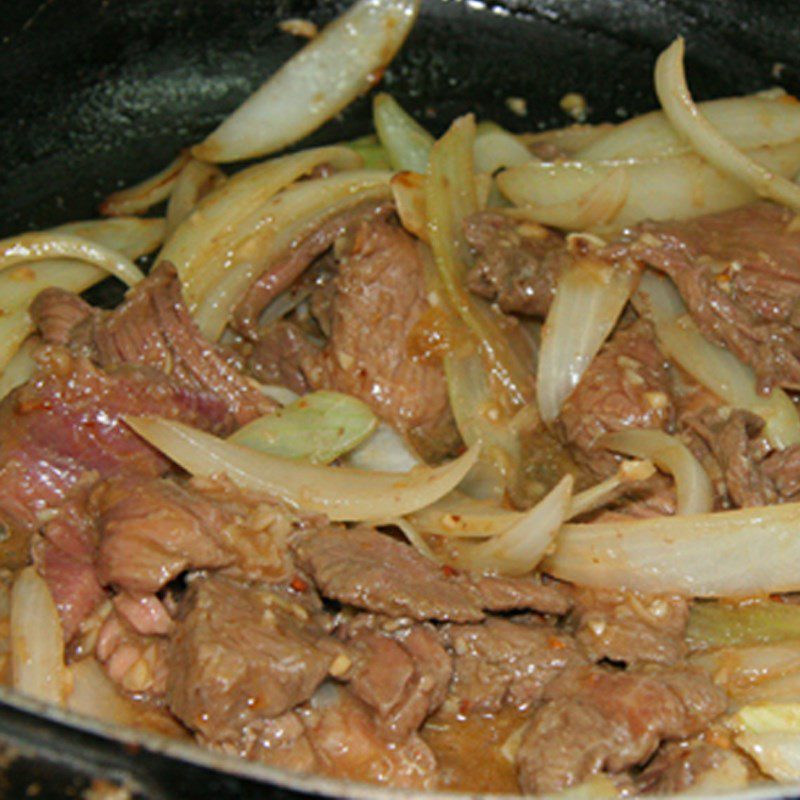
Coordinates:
[602,493]
[131,236]
[384,451]
[139,198]
[406,142]
[195,181]
[496,149]
[339,492]
[695,492]
[37,641]
[712,366]
[687,119]
[33,247]
[777,753]
[590,297]
[743,553]
[19,368]
[346,59]
[519,550]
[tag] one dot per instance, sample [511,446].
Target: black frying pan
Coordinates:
[98,93]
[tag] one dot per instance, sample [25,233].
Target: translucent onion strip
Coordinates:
[339,492]
[406,142]
[590,297]
[742,553]
[688,120]
[384,451]
[695,492]
[712,366]
[678,187]
[518,550]
[408,191]
[749,122]
[565,141]
[196,180]
[32,247]
[140,198]
[19,368]
[200,247]
[37,642]
[496,148]
[279,225]
[343,61]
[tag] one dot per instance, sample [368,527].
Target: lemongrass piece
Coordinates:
[711,365]
[339,492]
[37,641]
[406,142]
[748,122]
[755,622]
[140,198]
[346,59]
[688,120]
[384,451]
[496,148]
[277,227]
[196,180]
[19,368]
[519,550]
[678,187]
[32,247]
[408,191]
[450,198]
[754,551]
[318,427]
[693,486]
[590,296]
[200,245]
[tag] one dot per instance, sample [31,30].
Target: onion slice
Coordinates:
[590,297]
[406,142]
[339,492]
[37,641]
[143,196]
[710,365]
[695,492]
[196,180]
[345,60]
[743,553]
[32,247]
[688,120]
[518,550]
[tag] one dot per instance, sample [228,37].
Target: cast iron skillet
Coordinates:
[95,94]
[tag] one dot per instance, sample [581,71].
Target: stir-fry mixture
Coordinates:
[469,463]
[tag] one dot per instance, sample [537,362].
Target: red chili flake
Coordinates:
[555,643]
[298,584]
[464,707]
[449,571]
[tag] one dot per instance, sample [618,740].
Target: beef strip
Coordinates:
[739,274]
[626,386]
[697,765]
[289,266]
[373,571]
[66,424]
[56,313]
[400,672]
[278,355]
[501,662]
[596,719]
[241,653]
[517,263]
[153,327]
[628,628]
[380,299]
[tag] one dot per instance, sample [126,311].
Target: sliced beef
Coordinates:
[373,571]
[628,628]
[626,386]
[502,593]
[153,327]
[501,662]
[240,653]
[66,423]
[289,266]
[401,673]
[278,356]
[595,719]
[517,263]
[57,312]
[697,765]
[380,299]
[782,467]
[739,274]
[347,743]
[733,440]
